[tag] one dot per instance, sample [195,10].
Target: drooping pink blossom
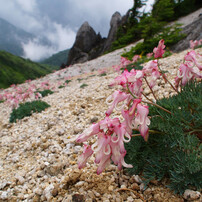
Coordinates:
[110,143]
[192,58]
[117,97]
[187,73]
[151,71]
[194,44]
[82,159]
[142,120]
[92,130]
[159,50]
[135,58]
[149,55]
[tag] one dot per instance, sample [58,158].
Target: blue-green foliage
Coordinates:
[174,146]
[45,92]
[26,109]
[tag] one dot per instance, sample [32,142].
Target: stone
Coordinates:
[4,195]
[94,119]
[78,198]
[135,186]
[192,31]
[191,195]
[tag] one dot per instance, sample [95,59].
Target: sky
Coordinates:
[59,20]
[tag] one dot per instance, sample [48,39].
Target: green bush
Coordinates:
[67,81]
[45,92]
[174,146]
[26,109]
[83,85]
[171,36]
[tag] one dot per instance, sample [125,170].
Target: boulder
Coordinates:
[86,41]
[193,32]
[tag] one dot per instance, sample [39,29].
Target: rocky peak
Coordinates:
[114,25]
[86,37]
[89,45]
[86,41]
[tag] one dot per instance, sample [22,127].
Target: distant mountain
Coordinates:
[11,38]
[14,69]
[57,59]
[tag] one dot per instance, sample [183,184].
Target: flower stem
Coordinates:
[166,78]
[150,88]
[152,103]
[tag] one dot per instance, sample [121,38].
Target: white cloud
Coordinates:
[34,51]
[60,37]
[27,5]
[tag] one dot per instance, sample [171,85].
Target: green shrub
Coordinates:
[45,92]
[67,81]
[103,74]
[174,148]
[61,86]
[26,109]
[83,85]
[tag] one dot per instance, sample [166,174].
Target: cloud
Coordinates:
[60,38]
[27,6]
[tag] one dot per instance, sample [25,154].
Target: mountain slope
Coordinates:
[14,69]
[11,38]
[57,59]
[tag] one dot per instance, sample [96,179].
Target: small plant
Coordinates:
[83,85]
[79,79]
[26,109]
[163,136]
[45,92]
[61,86]
[173,149]
[103,74]
[67,81]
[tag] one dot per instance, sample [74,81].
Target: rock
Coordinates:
[48,192]
[135,186]
[55,191]
[20,179]
[191,195]
[78,198]
[192,31]
[4,195]
[94,119]
[86,40]
[137,179]
[114,25]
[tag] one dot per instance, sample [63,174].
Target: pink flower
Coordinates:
[129,115]
[195,43]
[117,97]
[187,73]
[94,129]
[149,55]
[151,71]
[109,145]
[192,58]
[82,159]
[121,79]
[135,58]
[124,62]
[158,51]
[142,120]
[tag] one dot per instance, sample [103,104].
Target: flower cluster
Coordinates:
[194,44]
[112,133]
[190,69]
